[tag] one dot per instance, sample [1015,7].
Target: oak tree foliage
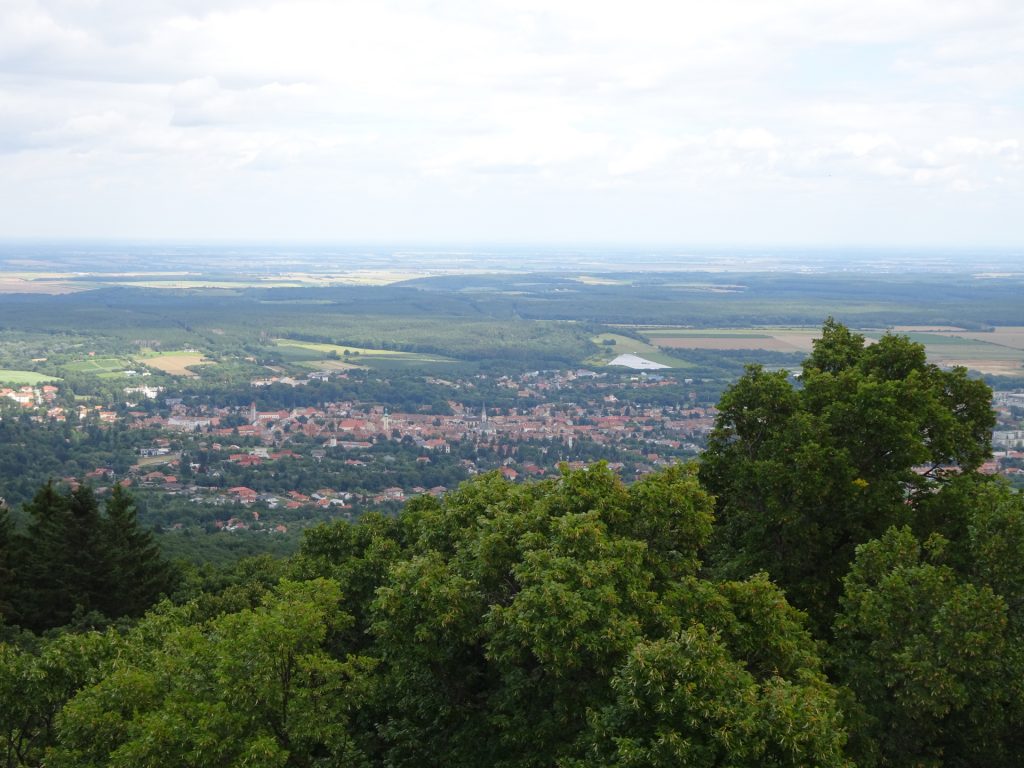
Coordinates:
[805,472]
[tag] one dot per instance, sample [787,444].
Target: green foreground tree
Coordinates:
[566,623]
[560,623]
[803,475]
[37,678]
[930,640]
[254,687]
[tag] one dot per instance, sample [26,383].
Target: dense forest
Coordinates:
[832,584]
[518,318]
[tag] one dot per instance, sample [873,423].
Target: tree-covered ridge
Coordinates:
[567,622]
[578,621]
[564,622]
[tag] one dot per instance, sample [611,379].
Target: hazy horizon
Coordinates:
[111,256]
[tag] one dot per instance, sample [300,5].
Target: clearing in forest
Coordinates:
[354,356]
[624,345]
[100,366]
[176,363]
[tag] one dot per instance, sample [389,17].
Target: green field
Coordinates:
[24,377]
[624,345]
[355,355]
[328,365]
[99,365]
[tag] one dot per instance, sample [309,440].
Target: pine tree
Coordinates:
[137,573]
[7,572]
[75,561]
[87,571]
[41,600]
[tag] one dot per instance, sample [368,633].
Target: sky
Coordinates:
[734,122]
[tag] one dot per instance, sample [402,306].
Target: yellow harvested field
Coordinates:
[1009,336]
[176,364]
[994,367]
[768,338]
[227,285]
[374,277]
[801,341]
[12,284]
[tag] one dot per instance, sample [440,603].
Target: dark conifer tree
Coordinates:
[75,561]
[7,572]
[87,573]
[42,601]
[137,572]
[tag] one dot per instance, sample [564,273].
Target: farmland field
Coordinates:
[39,283]
[724,343]
[768,339]
[366,277]
[359,355]
[624,345]
[175,363]
[591,280]
[1000,351]
[924,328]
[1009,336]
[328,365]
[8,376]
[216,284]
[100,365]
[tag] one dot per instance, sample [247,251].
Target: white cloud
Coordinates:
[650,107]
[863,144]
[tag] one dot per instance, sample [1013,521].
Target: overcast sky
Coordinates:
[718,122]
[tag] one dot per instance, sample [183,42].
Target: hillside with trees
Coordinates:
[832,584]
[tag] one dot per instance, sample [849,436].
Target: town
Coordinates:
[274,469]
[255,466]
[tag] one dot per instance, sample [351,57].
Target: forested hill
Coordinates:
[698,298]
[832,585]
